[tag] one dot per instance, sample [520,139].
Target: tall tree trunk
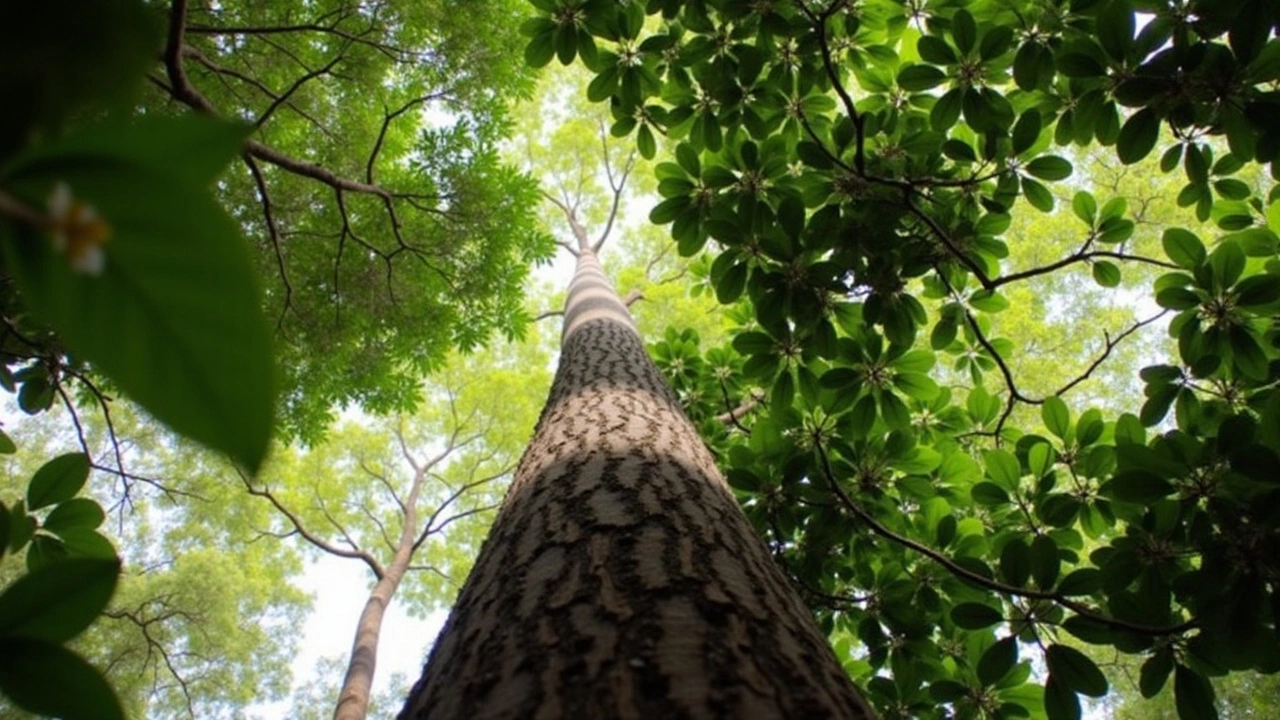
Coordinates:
[620,579]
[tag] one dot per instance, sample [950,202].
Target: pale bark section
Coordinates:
[357,684]
[620,579]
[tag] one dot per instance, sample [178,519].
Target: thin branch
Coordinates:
[301,529]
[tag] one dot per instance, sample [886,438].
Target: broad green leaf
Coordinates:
[58,480]
[1003,468]
[1106,274]
[998,660]
[48,679]
[1138,136]
[1193,695]
[1085,207]
[76,513]
[975,616]
[1183,247]
[1138,486]
[1037,194]
[964,31]
[916,78]
[58,601]
[1049,167]
[1075,670]
[1056,416]
[1045,561]
[1084,581]
[1155,671]
[1060,702]
[174,316]
[1015,562]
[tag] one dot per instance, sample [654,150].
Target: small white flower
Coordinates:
[77,231]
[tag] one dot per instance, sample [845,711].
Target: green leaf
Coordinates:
[48,679]
[935,50]
[541,48]
[76,513]
[1037,194]
[1085,207]
[1060,703]
[1074,669]
[1002,467]
[58,480]
[989,493]
[998,660]
[1106,274]
[1085,581]
[964,31]
[1138,136]
[917,78]
[1227,261]
[1155,671]
[916,385]
[1115,29]
[1183,248]
[1138,486]
[174,318]
[1045,562]
[1258,291]
[988,301]
[21,526]
[6,446]
[975,616]
[1049,167]
[645,142]
[1055,415]
[1015,562]
[1193,695]
[58,601]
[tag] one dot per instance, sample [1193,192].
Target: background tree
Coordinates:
[409,496]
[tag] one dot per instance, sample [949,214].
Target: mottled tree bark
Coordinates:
[620,579]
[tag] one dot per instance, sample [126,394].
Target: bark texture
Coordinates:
[620,579]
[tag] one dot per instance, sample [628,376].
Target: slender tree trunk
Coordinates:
[620,579]
[353,699]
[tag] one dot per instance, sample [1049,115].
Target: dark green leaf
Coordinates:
[1055,415]
[964,31]
[1049,167]
[81,513]
[1138,136]
[1155,671]
[48,679]
[1037,194]
[1183,247]
[1045,562]
[1060,703]
[174,318]
[58,480]
[975,616]
[1015,562]
[998,660]
[1106,274]
[1115,28]
[916,78]
[56,602]
[1075,670]
[1193,695]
